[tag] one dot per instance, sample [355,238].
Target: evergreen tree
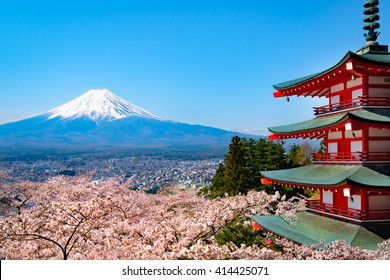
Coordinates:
[235,175]
[322,148]
[240,171]
[217,188]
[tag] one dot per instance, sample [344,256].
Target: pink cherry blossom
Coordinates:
[76,218]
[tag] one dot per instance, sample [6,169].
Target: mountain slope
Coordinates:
[100,119]
[98,105]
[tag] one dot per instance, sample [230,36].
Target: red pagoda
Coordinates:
[352,175]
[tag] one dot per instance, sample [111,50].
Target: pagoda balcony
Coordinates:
[352,103]
[346,213]
[350,157]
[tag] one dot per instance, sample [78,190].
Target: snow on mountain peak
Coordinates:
[99,104]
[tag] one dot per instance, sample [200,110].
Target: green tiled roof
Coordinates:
[372,115]
[372,175]
[376,58]
[375,115]
[311,229]
[297,81]
[316,123]
[333,175]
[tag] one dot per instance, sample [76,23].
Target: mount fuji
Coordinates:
[101,119]
[100,105]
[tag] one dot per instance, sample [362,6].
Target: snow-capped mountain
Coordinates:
[98,104]
[100,119]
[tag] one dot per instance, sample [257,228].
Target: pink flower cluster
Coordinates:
[76,218]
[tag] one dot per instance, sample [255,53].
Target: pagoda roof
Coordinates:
[333,175]
[316,127]
[313,85]
[310,229]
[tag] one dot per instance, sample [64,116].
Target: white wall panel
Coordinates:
[327,197]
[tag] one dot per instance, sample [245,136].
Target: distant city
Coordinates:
[148,173]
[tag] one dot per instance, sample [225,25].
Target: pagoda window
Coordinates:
[356,94]
[379,202]
[332,148]
[377,132]
[327,197]
[356,147]
[335,135]
[335,99]
[378,146]
[355,83]
[378,96]
[337,88]
[350,134]
[334,102]
[379,80]
[378,92]
[355,202]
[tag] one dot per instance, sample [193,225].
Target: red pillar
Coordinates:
[364,195]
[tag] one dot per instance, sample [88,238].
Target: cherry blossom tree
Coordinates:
[52,219]
[77,218]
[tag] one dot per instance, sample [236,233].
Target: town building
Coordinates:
[352,175]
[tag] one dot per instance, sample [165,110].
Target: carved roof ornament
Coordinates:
[371,18]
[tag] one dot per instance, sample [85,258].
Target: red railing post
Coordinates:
[356,102]
[348,157]
[383,214]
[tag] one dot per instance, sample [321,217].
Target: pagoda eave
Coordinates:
[351,67]
[275,182]
[374,177]
[318,127]
[317,87]
[358,189]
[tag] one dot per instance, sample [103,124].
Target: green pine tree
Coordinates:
[217,188]
[235,175]
[240,171]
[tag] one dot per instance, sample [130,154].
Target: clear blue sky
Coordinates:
[201,62]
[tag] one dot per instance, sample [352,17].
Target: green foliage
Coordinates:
[235,171]
[312,193]
[239,234]
[240,170]
[283,190]
[217,186]
[293,155]
[300,155]
[152,190]
[322,148]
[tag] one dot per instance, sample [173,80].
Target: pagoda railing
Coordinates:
[374,101]
[377,156]
[348,157]
[356,102]
[330,209]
